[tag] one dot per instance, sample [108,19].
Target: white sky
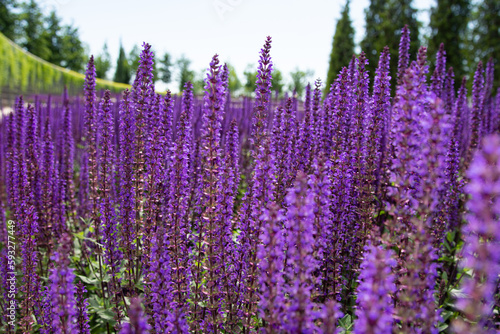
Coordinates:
[302,31]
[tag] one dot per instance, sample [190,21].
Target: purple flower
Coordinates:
[375,291]
[62,290]
[404,56]
[271,256]
[82,317]
[138,321]
[482,239]
[301,264]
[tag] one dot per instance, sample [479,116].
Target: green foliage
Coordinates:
[185,74]
[8,19]
[35,39]
[102,62]
[23,72]
[384,21]
[234,82]
[342,46]
[448,25]
[122,73]
[485,36]
[277,82]
[299,81]
[250,78]
[165,69]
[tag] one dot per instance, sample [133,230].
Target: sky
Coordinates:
[302,31]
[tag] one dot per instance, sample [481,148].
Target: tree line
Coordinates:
[469,30]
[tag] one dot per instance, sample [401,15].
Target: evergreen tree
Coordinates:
[165,69]
[234,83]
[122,73]
[485,34]
[8,19]
[448,25]
[277,83]
[102,62]
[72,50]
[299,81]
[342,46]
[185,74]
[250,79]
[384,21]
[54,36]
[35,39]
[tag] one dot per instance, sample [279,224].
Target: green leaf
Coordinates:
[90,281]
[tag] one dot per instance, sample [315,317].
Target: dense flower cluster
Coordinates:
[348,212]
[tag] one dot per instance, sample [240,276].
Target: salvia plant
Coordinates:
[356,211]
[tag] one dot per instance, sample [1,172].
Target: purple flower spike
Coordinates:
[262,96]
[138,321]
[438,77]
[482,239]
[477,112]
[404,56]
[301,263]
[82,317]
[375,292]
[62,290]
[271,256]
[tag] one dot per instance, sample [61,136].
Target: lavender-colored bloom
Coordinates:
[477,112]
[374,294]
[377,119]
[90,134]
[68,154]
[44,312]
[453,182]
[305,134]
[211,226]
[262,97]
[448,94]
[404,56]
[127,182]
[62,290]
[271,256]
[82,317]
[438,77]
[482,239]
[138,321]
[108,220]
[177,202]
[298,315]
[330,315]
[320,184]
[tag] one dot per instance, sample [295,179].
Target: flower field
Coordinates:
[355,211]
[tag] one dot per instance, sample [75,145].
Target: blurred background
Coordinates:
[45,45]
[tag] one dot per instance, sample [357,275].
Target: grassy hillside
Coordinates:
[23,73]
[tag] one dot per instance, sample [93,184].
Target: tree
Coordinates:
[73,51]
[234,82]
[250,78]
[102,62]
[448,25]
[342,46]
[384,21]
[34,39]
[8,19]
[165,69]
[185,74]
[122,73]
[299,81]
[277,83]
[485,37]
